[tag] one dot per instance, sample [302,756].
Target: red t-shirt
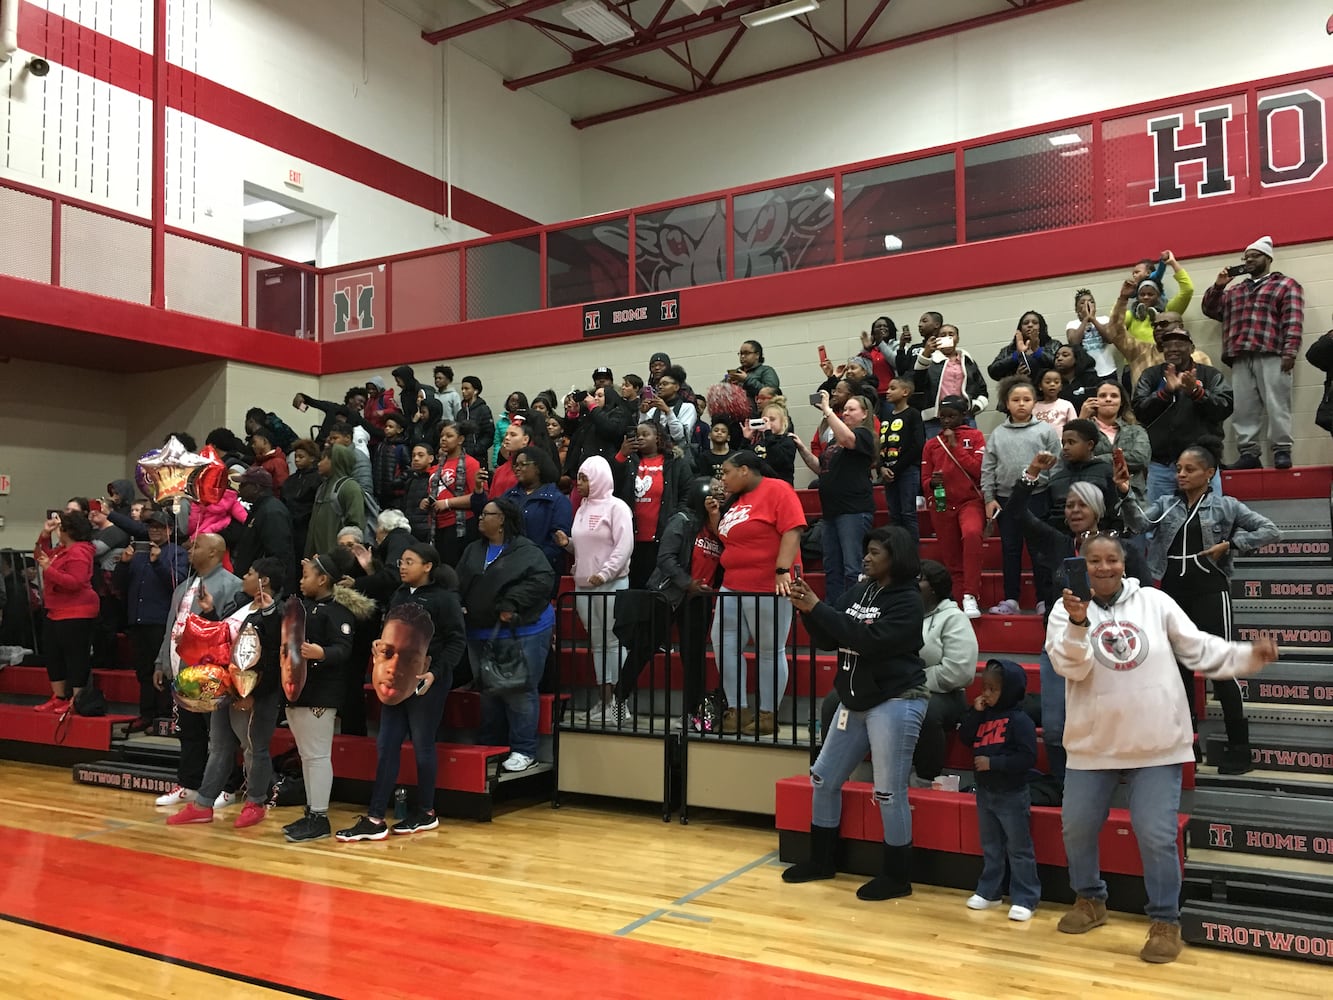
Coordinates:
[751,533]
[648,485]
[442,487]
[706,557]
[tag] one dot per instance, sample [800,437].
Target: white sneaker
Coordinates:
[970,606]
[516,762]
[975,902]
[1041,607]
[178,796]
[224,800]
[1020,913]
[1005,607]
[597,714]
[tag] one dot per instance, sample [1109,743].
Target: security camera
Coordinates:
[38,66]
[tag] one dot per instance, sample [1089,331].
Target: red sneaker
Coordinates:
[53,704]
[192,813]
[252,813]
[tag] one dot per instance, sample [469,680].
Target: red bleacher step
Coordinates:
[120,687]
[21,723]
[462,767]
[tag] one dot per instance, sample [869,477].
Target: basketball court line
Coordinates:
[691,896]
[156,956]
[328,941]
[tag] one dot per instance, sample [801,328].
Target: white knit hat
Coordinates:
[1264,244]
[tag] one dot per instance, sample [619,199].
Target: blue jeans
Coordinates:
[516,711]
[1162,483]
[767,621]
[889,732]
[1005,824]
[1154,801]
[1053,715]
[844,535]
[419,717]
[901,495]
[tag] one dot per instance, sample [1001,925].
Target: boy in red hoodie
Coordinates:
[952,462]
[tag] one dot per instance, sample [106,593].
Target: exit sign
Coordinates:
[4,485]
[294,179]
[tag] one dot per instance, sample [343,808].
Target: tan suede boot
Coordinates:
[1086,914]
[733,721]
[1163,944]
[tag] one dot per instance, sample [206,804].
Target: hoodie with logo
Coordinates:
[1003,733]
[602,539]
[877,633]
[1124,704]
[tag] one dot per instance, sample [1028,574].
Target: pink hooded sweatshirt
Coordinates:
[602,538]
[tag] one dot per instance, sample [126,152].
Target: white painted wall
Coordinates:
[1072,60]
[296,242]
[372,80]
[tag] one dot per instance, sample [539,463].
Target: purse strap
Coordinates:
[948,451]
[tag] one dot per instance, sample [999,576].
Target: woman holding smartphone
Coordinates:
[1195,534]
[1058,551]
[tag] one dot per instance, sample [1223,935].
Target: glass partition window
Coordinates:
[899,207]
[1030,184]
[680,247]
[588,263]
[784,229]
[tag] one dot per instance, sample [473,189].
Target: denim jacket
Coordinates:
[1222,518]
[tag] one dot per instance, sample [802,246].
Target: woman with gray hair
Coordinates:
[393,535]
[1050,545]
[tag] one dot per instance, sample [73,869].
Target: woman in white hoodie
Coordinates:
[950,651]
[1127,718]
[602,542]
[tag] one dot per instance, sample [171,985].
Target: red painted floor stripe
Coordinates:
[345,943]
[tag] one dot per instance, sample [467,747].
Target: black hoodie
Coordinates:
[1005,734]
[877,633]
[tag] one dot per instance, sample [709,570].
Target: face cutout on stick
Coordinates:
[401,655]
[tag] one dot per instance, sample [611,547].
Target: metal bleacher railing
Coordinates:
[21,615]
[632,668]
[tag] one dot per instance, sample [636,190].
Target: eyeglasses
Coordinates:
[521,465]
[492,513]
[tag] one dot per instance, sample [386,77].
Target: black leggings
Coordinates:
[1211,611]
[67,647]
[146,641]
[942,714]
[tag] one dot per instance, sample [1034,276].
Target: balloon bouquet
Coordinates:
[173,474]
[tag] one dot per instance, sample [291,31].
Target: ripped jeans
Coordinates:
[889,731]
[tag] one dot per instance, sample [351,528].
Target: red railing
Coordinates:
[1088,169]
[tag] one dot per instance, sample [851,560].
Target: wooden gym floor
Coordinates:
[98,898]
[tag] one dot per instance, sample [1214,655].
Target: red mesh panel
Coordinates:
[504,277]
[426,291]
[1030,184]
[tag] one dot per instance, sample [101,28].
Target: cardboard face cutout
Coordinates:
[401,654]
[293,638]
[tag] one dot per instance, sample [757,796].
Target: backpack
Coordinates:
[90,701]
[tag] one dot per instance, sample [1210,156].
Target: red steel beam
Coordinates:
[869,23]
[785,71]
[486,20]
[632,49]
[158,292]
[670,88]
[726,52]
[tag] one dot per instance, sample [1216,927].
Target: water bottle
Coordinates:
[400,804]
[940,502]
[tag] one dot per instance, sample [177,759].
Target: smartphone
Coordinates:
[796,572]
[420,685]
[1236,270]
[817,400]
[95,506]
[52,513]
[142,546]
[648,392]
[944,342]
[758,423]
[823,355]
[1117,457]
[1076,577]
[303,406]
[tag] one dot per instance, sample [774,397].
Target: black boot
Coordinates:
[895,878]
[1236,751]
[823,861]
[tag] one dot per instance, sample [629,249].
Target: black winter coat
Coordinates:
[519,580]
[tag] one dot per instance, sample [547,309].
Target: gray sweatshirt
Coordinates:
[1009,450]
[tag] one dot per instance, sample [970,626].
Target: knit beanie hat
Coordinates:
[1264,244]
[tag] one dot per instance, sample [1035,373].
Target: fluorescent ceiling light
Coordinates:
[892,243]
[1068,139]
[595,19]
[779,12]
[262,211]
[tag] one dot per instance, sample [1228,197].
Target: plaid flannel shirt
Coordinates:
[1258,317]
